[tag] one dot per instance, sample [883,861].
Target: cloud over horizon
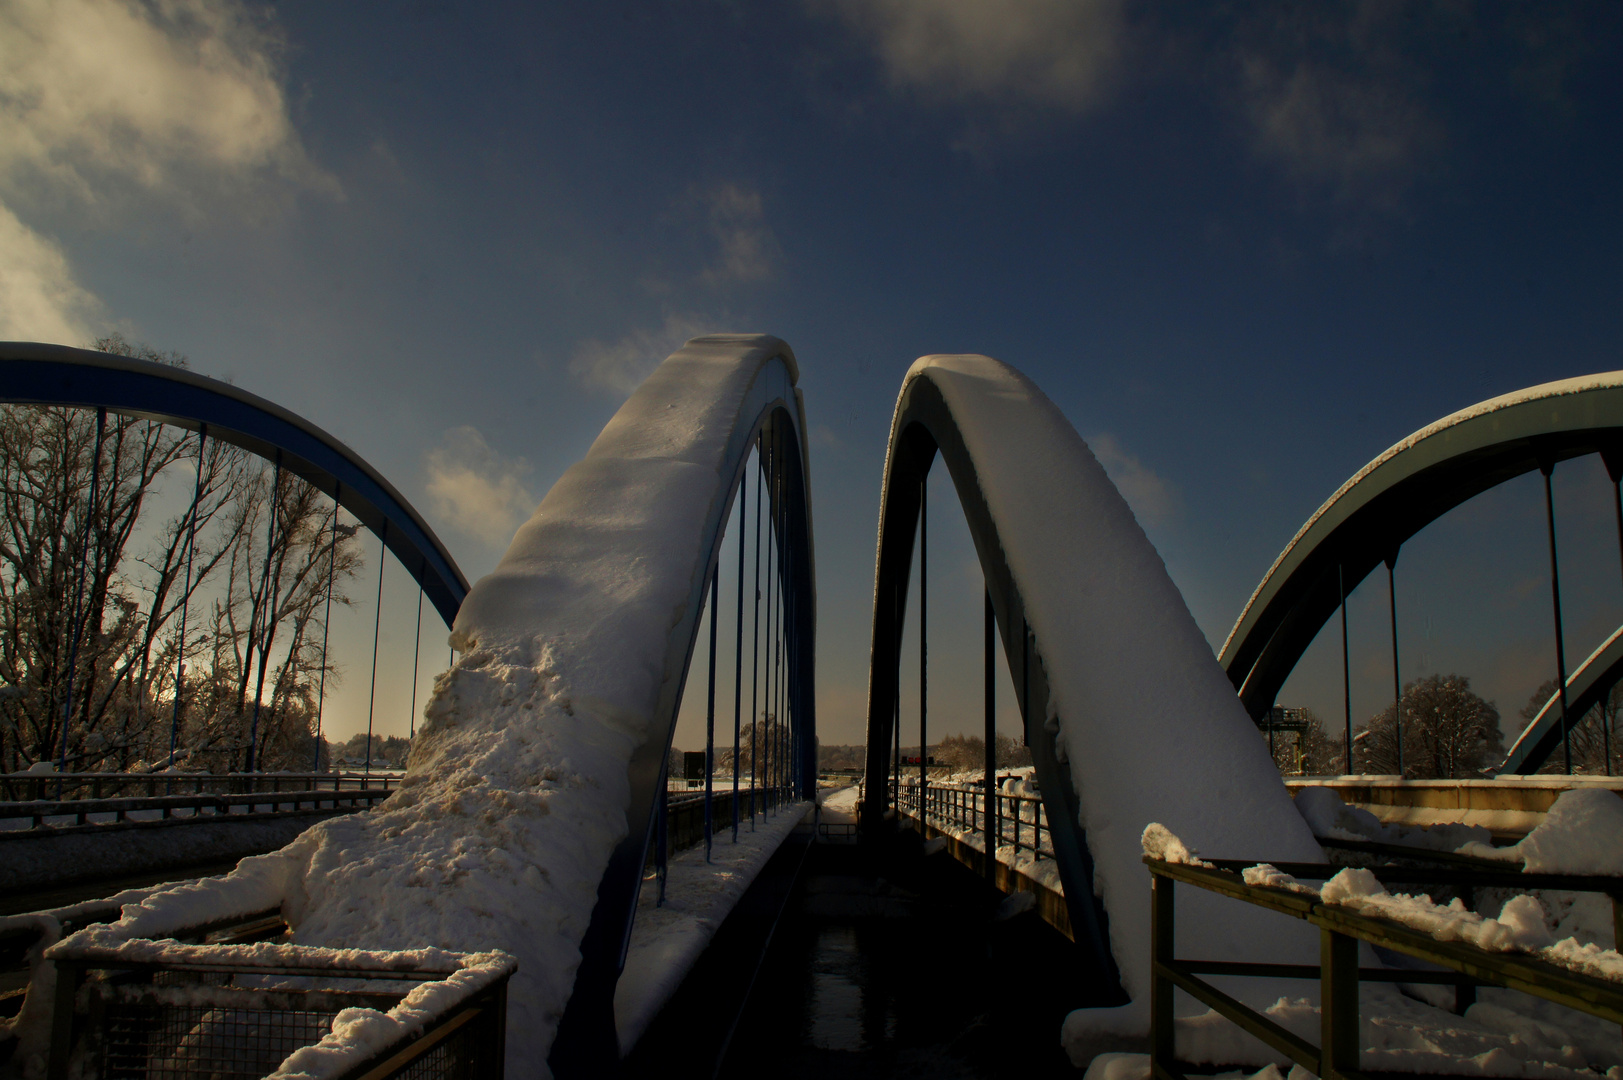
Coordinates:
[1057,53]
[99,99]
[477,491]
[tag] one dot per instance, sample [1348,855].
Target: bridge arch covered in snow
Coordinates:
[1128,716]
[1412,484]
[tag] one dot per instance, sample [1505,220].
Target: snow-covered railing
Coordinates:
[1017,821]
[33,786]
[138,1006]
[1467,951]
[15,817]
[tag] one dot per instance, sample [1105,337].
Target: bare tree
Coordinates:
[1448,732]
[95,669]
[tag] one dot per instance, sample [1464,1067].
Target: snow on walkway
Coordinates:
[668,938]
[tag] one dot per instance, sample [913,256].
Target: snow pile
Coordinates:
[1332,819]
[668,938]
[1143,715]
[1158,842]
[1523,924]
[358,1034]
[1270,876]
[517,788]
[1582,833]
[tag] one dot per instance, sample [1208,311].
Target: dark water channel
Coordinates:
[906,974]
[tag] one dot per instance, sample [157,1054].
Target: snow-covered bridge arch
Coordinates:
[1128,715]
[524,820]
[1413,483]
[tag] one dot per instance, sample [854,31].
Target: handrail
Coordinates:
[1337,1057]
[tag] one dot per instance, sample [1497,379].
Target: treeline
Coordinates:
[124,630]
[1447,732]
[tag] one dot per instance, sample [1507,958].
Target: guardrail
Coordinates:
[1018,821]
[185,1010]
[1337,1056]
[209,800]
[33,787]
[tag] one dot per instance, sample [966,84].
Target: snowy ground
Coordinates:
[668,938]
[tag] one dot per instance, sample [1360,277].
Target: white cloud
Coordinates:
[1332,95]
[103,97]
[475,490]
[1152,497]
[619,367]
[1044,52]
[40,300]
[92,90]
[746,248]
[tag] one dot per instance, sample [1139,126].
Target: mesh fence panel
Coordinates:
[145,1041]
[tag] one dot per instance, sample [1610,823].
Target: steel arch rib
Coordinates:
[1122,683]
[1393,497]
[57,375]
[768,404]
[1586,688]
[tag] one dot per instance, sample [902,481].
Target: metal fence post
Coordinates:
[1338,1000]
[1163,1045]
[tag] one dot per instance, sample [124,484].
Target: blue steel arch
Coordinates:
[1395,496]
[925,427]
[32,373]
[771,415]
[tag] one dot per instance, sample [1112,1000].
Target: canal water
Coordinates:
[903,967]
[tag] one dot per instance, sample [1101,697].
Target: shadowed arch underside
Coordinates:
[1128,716]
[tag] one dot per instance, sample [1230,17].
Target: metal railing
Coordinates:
[1018,821]
[193,1014]
[199,798]
[1461,965]
[24,787]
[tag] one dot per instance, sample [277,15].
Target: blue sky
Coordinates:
[1244,250]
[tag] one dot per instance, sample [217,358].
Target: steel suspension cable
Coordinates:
[769,716]
[326,626]
[924,644]
[1346,663]
[268,609]
[1547,468]
[416,654]
[186,597]
[738,648]
[76,620]
[710,716]
[377,626]
[988,829]
[1397,683]
[755,649]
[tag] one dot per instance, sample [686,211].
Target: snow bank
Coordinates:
[1332,819]
[668,938]
[1148,723]
[516,792]
[1581,834]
